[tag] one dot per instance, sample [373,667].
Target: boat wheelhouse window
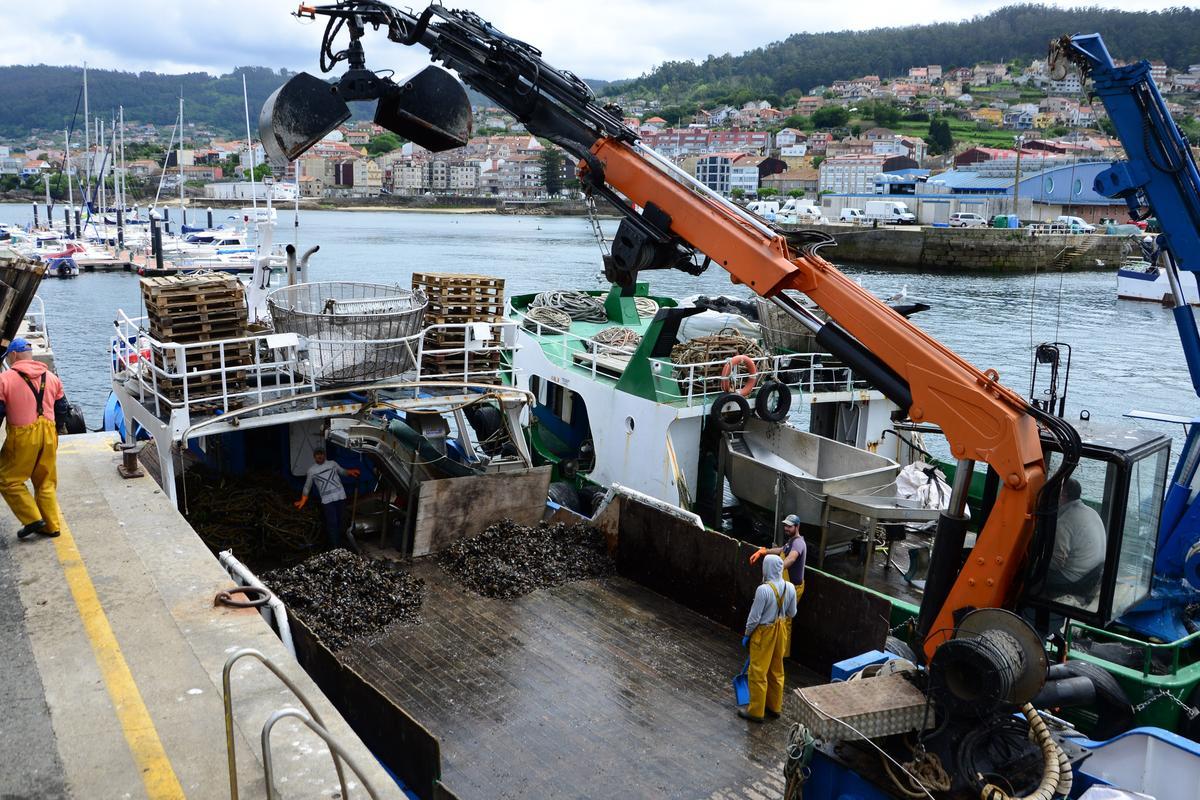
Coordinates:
[1135,560]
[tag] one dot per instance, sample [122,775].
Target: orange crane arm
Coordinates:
[982,420]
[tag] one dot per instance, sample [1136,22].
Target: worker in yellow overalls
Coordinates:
[774,603]
[30,395]
[794,553]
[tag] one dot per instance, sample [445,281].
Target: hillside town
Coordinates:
[978,138]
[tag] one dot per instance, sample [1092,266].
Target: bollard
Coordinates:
[67,222]
[128,468]
[166,217]
[78,225]
[156,241]
[35,215]
[210,219]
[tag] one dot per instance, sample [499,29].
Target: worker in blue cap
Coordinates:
[794,553]
[31,396]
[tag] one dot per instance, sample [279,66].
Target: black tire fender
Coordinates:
[729,420]
[782,402]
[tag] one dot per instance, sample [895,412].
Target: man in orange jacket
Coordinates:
[30,398]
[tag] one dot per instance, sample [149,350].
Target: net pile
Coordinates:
[713,352]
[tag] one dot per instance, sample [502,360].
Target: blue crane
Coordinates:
[1159,177]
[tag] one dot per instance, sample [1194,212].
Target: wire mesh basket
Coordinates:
[355,332]
[783,332]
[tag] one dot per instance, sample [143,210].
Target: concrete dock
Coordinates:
[114,652]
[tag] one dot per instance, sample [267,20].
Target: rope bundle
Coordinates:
[646,306]
[579,306]
[616,337]
[552,321]
[713,351]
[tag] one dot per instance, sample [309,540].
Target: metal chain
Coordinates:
[597,231]
[1189,711]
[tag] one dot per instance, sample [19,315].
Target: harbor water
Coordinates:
[1126,353]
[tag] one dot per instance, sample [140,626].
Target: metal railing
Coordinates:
[221,375]
[217,374]
[230,743]
[700,382]
[336,750]
[811,373]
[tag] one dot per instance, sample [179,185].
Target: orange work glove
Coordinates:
[300,503]
[354,472]
[759,553]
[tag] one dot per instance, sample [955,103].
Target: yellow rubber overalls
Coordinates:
[30,452]
[787,623]
[766,662]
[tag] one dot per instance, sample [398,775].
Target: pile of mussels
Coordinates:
[509,560]
[343,597]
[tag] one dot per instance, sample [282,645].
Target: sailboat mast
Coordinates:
[249,147]
[182,208]
[67,169]
[124,201]
[87,138]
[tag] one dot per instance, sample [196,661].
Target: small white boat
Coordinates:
[1140,280]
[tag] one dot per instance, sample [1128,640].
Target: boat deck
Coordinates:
[114,652]
[598,688]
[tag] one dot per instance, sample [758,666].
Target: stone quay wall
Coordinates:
[973,249]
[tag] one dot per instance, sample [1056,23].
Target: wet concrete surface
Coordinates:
[26,733]
[596,688]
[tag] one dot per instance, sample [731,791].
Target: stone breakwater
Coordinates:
[973,249]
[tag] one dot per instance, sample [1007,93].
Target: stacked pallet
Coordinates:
[198,310]
[456,299]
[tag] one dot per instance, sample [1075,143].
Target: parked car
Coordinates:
[1074,224]
[852,215]
[965,219]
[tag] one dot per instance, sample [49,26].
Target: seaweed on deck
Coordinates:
[343,597]
[509,560]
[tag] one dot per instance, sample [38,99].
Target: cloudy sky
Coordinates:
[605,39]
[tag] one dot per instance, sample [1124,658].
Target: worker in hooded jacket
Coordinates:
[30,398]
[774,603]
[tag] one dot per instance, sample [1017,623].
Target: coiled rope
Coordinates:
[579,306]
[618,338]
[646,306]
[546,320]
[711,351]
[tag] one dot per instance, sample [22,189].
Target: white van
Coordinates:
[891,212]
[852,215]
[797,209]
[767,209]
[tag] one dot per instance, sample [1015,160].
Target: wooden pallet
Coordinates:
[455,298]
[452,281]
[174,285]
[193,332]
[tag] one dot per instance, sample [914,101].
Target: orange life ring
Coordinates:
[748,363]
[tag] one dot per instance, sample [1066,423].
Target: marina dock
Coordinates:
[115,651]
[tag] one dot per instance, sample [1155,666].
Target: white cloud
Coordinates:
[608,39]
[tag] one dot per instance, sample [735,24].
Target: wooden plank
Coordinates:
[457,508]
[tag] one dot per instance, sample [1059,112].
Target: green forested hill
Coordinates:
[804,60]
[45,97]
